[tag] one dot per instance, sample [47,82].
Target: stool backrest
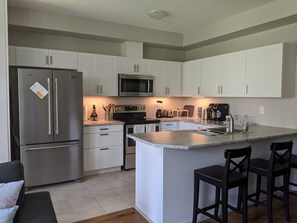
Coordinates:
[237,160]
[280,157]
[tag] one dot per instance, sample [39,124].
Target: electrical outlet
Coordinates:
[261,110]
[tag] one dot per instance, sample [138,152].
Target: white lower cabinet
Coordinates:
[103,147]
[169,126]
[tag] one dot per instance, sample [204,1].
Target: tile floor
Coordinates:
[95,196]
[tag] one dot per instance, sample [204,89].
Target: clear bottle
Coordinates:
[245,124]
[94,116]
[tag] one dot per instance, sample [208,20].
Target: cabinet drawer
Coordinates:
[101,158]
[103,128]
[94,140]
[168,126]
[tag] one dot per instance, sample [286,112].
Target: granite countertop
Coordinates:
[102,122]
[185,139]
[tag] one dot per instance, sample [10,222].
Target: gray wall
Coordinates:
[59,42]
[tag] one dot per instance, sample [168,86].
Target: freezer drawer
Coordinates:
[129,161]
[52,163]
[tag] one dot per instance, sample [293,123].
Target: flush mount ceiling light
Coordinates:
[157,14]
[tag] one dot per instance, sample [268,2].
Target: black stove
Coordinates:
[134,117]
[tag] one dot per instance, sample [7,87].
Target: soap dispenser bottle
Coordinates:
[245,124]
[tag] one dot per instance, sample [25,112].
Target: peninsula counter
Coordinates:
[165,162]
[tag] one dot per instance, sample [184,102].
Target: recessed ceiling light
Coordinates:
[157,14]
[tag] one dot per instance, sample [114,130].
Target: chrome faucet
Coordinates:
[230,127]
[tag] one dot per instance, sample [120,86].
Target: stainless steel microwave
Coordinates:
[135,85]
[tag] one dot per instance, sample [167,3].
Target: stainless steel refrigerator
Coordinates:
[46,120]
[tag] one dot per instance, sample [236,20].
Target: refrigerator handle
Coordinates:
[49,106]
[57,109]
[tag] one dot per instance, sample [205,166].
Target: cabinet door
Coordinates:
[142,66]
[191,78]
[32,57]
[62,59]
[168,126]
[233,74]
[126,65]
[210,76]
[88,64]
[173,78]
[12,55]
[158,70]
[264,71]
[108,75]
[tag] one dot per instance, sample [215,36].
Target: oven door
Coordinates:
[129,143]
[135,85]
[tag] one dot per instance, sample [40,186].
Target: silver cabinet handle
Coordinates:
[198,90]
[246,89]
[101,89]
[104,129]
[97,89]
[47,60]
[168,90]
[137,67]
[169,124]
[57,107]
[104,148]
[49,107]
[50,147]
[104,134]
[221,89]
[51,60]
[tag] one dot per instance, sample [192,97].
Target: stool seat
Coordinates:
[214,175]
[233,174]
[261,166]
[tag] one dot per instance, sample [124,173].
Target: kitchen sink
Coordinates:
[214,131]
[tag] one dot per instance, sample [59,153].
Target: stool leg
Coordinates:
[239,200]
[196,198]
[216,211]
[286,196]
[244,195]
[259,178]
[270,186]
[224,205]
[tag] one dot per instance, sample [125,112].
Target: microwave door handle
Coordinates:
[148,86]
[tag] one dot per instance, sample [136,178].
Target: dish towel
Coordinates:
[139,129]
[150,127]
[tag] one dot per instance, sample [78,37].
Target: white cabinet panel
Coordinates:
[191,75]
[103,147]
[158,70]
[32,57]
[108,75]
[233,67]
[36,57]
[264,71]
[88,64]
[169,126]
[211,76]
[101,158]
[133,66]
[62,59]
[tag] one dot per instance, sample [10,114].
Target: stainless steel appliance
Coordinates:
[46,119]
[134,117]
[135,85]
[217,112]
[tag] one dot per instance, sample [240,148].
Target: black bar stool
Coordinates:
[278,165]
[233,174]
[294,166]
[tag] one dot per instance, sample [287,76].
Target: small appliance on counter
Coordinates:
[217,112]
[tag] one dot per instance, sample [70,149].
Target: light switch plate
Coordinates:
[261,110]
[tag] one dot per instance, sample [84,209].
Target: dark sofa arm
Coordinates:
[11,171]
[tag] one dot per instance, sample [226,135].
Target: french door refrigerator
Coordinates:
[46,119]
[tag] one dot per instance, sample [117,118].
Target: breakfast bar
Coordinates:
[165,162]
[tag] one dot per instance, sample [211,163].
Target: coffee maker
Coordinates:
[217,112]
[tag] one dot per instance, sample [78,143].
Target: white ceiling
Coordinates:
[183,15]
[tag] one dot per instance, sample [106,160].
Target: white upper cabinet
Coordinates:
[233,67]
[211,76]
[89,65]
[270,71]
[133,66]
[108,75]
[173,78]
[99,74]
[36,57]
[167,78]
[191,74]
